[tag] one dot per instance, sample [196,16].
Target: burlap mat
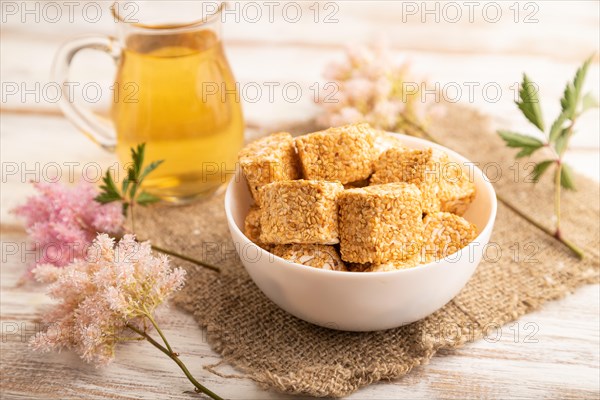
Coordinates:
[284,353]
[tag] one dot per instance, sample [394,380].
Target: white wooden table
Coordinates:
[562,361]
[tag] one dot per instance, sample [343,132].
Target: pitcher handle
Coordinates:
[101,132]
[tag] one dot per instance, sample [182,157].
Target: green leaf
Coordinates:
[125,185]
[133,190]
[151,167]
[134,157]
[108,191]
[529,103]
[572,92]
[567,102]
[527,144]
[140,160]
[580,77]
[557,127]
[146,198]
[131,176]
[526,151]
[514,139]
[133,183]
[562,141]
[109,183]
[540,168]
[588,102]
[137,156]
[104,198]
[566,178]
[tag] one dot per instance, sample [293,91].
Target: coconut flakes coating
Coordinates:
[313,255]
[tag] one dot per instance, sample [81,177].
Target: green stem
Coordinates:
[186,258]
[556,234]
[132,219]
[557,177]
[570,131]
[173,253]
[557,190]
[199,387]
[572,246]
[181,256]
[158,330]
[129,339]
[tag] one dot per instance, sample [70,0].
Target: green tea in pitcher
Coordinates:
[178,95]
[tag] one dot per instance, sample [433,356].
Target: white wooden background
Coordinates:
[563,363]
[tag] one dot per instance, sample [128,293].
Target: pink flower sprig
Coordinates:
[62,221]
[370,88]
[109,297]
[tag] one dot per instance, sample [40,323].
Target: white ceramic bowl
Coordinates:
[370,301]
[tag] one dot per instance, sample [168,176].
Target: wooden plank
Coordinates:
[476,31]
[487,82]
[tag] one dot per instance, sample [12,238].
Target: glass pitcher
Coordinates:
[176,93]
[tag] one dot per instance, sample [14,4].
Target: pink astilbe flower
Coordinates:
[371,88]
[101,295]
[62,221]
